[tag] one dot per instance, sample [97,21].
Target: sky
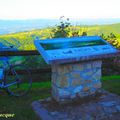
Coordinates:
[53,9]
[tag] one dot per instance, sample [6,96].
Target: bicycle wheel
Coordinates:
[18,80]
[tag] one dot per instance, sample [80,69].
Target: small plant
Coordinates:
[84,34]
[62,29]
[65,29]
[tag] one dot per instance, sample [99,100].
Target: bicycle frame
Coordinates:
[11,80]
[14,83]
[3,73]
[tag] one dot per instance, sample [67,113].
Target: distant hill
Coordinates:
[24,40]
[13,26]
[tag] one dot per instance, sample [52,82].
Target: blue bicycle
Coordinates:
[15,79]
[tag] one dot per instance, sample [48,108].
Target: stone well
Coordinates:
[75,80]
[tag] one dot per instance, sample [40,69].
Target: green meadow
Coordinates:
[24,40]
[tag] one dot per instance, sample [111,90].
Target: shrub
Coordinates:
[65,29]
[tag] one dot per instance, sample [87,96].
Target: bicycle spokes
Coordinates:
[22,79]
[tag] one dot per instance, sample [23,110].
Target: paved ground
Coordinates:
[105,106]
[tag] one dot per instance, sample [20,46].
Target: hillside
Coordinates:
[106,29]
[24,40]
[13,26]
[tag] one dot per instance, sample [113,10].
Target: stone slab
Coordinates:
[40,111]
[95,108]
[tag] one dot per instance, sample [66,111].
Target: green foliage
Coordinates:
[112,39]
[65,29]
[61,30]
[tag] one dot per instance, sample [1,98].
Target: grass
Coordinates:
[111,83]
[21,106]
[114,77]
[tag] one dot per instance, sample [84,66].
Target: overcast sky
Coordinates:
[74,9]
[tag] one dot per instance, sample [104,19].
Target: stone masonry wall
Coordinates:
[75,80]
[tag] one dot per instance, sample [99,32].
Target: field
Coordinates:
[24,40]
[21,107]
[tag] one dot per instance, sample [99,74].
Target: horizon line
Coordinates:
[56,18]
